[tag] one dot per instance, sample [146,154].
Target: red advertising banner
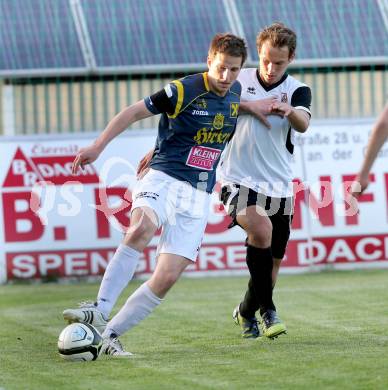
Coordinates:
[55,224]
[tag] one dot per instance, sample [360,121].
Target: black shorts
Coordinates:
[236,198]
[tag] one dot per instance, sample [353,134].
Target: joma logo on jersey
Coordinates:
[218,122]
[234,110]
[200,112]
[283,98]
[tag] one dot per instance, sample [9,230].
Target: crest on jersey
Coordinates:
[283,98]
[218,122]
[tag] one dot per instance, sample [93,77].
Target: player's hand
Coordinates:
[281,109]
[260,109]
[144,164]
[85,156]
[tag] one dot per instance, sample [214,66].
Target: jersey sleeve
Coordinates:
[301,99]
[167,100]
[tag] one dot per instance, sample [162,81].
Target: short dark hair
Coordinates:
[278,35]
[230,44]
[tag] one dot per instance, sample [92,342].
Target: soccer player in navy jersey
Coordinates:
[199,114]
[257,191]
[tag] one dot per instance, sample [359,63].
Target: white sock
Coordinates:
[138,306]
[117,275]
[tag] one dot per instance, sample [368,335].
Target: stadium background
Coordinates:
[68,66]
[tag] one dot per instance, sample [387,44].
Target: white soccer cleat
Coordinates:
[112,346]
[87,312]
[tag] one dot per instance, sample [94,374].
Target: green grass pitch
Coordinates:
[337,337]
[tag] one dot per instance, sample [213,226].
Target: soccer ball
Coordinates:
[79,342]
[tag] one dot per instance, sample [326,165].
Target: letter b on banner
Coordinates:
[20,222]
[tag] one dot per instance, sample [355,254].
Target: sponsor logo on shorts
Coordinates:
[147,194]
[202,157]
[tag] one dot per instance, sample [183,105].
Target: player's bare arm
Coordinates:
[115,127]
[299,119]
[259,108]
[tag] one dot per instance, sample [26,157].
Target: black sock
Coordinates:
[249,305]
[259,293]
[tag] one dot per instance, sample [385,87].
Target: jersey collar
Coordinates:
[269,87]
[206,81]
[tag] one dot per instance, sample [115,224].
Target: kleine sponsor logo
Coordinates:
[203,157]
[27,171]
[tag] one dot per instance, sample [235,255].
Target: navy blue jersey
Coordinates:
[194,128]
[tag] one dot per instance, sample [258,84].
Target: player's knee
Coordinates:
[140,234]
[260,236]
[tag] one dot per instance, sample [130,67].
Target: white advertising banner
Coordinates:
[58,225]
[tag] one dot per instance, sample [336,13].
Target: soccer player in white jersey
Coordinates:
[255,171]
[175,193]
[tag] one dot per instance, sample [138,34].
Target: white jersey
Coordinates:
[257,157]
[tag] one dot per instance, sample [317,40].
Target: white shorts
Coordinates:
[182,211]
